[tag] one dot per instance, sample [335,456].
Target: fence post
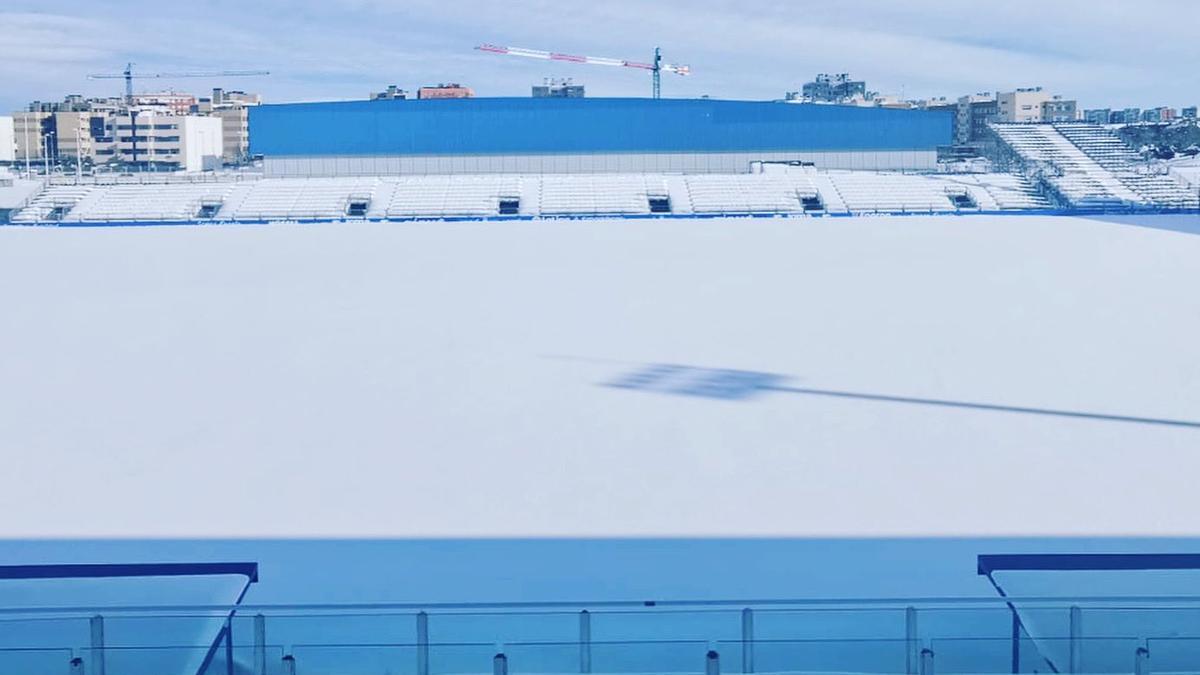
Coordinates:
[422,643]
[747,640]
[260,644]
[912,655]
[1141,661]
[712,663]
[500,664]
[1016,641]
[97,630]
[585,642]
[1075,664]
[229,665]
[927,662]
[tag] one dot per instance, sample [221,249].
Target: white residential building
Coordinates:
[1022,105]
[185,142]
[8,140]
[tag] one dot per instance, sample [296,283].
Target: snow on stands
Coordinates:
[490,196]
[861,376]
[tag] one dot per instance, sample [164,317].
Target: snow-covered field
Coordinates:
[917,375]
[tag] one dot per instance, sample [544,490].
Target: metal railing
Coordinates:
[967,635]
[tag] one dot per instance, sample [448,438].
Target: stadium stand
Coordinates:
[864,192]
[781,190]
[54,203]
[166,203]
[565,194]
[1089,166]
[1079,179]
[454,196]
[749,193]
[300,199]
[1110,152]
[998,191]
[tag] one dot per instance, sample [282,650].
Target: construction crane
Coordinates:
[656,66]
[129,77]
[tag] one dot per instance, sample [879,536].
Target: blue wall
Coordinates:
[528,125]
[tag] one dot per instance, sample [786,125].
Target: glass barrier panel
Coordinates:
[562,657]
[504,627]
[329,628]
[814,656]
[367,659]
[144,630]
[838,623]
[39,632]
[1174,655]
[634,626]
[35,661]
[664,656]
[956,622]
[1043,655]
[181,660]
[1146,622]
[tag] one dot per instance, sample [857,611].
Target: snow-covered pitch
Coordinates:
[864,376]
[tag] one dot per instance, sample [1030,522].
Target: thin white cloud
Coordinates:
[1104,52]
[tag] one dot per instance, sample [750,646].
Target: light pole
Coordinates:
[28,169]
[46,152]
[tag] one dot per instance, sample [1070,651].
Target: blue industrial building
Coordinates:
[521,135]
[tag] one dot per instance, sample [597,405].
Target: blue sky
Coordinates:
[1104,52]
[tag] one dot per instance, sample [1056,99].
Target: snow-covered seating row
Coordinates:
[600,194]
[1009,191]
[1099,143]
[164,202]
[864,192]
[748,193]
[452,196]
[299,198]
[53,203]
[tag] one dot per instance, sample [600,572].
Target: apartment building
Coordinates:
[974,114]
[445,91]
[1022,105]
[171,142]
[233,109]
[1058,109]
[34,135]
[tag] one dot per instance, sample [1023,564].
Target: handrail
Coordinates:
[1108,602]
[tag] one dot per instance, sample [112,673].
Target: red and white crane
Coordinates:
[656,66]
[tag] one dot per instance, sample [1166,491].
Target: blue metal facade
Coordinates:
[526,125]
